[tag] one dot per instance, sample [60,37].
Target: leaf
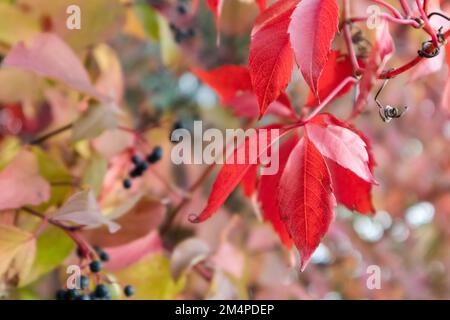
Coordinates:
[170,52]
[53,247]
[268,188]
[100,19]
[385,42]
[113,142]
[17,249]
[94,173]
[305,198]
[261,4]
[13,18]
[340,144]
[138,216]
[187,254]
[54,171]
[249,181]
[233,85]
[231,174]
[152,279]
[94,121]
[227,80]
[270,60]
[312,29]
[49,56]
[82,209]
[445,104]
[123,256]
[21,183]
[336,70]
[216,7]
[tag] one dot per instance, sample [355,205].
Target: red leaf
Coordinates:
[261,4]
[349,189]
[227,80]
[337,142]
[250,180]
[232,84]
[338,68]
[216,7]
[268,187]
[230,175]
[312,28]
[270,61]
[305,198]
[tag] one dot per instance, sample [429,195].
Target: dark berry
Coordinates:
[181,9]
[179,36]
[128,291]
[136,159]
[178,124]
[61,294]
[136,172]
[156,155]
[102,291]
[103,256]
[127,183]
[83,297]
[95,266]
[84,282]
[79,252]
[72,294]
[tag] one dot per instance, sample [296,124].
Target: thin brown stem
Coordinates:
[51,134]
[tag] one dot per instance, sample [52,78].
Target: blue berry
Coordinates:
[127,183]
[102,291]
[156,155]
[129,291]
[95,266]
[84,282]
[61,294]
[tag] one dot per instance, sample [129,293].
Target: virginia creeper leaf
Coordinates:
[311,30]
[305,198]
[270,60]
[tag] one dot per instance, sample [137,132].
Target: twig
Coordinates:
[394,11]
[427,27]
[51,134]
[406,8]
[327,100]
[349,42]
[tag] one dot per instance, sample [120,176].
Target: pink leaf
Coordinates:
[127,254]
[312,29]
[49,56]
[21,183]
[385,42]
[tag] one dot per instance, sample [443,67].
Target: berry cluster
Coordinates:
[101,291]
[140,165]
[182,35]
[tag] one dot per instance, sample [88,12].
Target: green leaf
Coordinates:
[54,172]
[149,19]
[93,122]
[95,173]
[53,247]
[152,279]
[15,24]
[170,53]
[9,147]
[100,19]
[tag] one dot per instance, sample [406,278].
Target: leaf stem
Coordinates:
[427,27]
[395,72]
[406,8]
[51,134]
[327,100]
[391,8]
[389,18]
[348,40]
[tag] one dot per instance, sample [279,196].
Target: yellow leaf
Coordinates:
[16,25]
[17,252]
